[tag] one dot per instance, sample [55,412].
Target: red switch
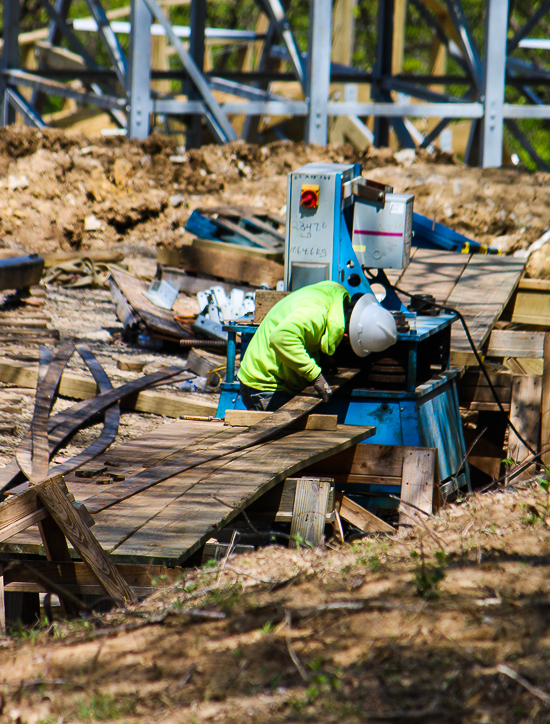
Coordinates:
[309,196]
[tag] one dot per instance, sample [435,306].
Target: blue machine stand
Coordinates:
[423,413]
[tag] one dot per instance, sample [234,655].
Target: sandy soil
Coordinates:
[447,622]
[139,195]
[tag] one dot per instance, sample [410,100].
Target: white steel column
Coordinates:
[319,70]
[139,71]
[494,82]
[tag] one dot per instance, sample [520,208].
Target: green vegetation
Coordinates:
[105,707]
[428,576]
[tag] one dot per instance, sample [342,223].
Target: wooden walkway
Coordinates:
[478,286]
[166,523]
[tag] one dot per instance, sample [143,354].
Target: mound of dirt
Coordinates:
[50,183]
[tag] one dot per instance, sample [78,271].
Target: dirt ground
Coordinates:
[446,622]
[59,191]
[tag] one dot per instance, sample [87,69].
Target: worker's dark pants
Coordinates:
[264,400]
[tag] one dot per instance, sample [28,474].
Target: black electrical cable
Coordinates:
[476,354]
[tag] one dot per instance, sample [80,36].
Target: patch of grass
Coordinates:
[427,576]
[532,516]
[225,598]
[268,627]
[104,707]
[369,554]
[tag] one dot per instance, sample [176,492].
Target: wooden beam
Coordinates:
[81,388]
[418,487]
[265,301]
[309,512]
[361,518]
[85,543]
[231,265]
[515,343]
[525,411]
[247,418]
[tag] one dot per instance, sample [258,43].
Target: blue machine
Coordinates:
[342,227]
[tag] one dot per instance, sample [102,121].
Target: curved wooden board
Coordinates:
[112,417]
[65,423]
[45,397]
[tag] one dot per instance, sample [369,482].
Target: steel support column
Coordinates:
[196,50]
[383,67]
[319,71]
[9,58]
[139,71]
[494,81]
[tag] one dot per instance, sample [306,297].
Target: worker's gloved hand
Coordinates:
[322,388]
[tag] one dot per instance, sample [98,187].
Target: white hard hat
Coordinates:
[371,328]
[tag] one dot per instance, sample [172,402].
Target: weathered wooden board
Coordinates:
[282,418]
[157,319]
[419,480]
[360,517]
[479,286]
[45,397]
[82,388]
[525,413]
[209,504]
[265,301]
[83,540]
[65,423]
[434,272]
[77,578]
[239,267]
[309,512]
[531,304]
[515,343]
[247,418]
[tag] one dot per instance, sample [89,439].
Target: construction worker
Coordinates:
[283,356]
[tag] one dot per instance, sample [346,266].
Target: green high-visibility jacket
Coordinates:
[284,352]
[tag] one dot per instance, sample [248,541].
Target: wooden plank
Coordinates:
[203,363]
[515,343]
[19,512]
[82,388]
[481,294]
[376,460]
[246,418]
[85,542]
[525,412]
[419,475]
[309,512]
[67,573]
[545,404]
[112,418]
[361,518]
[434,272]
[208,505]
[282,418]
[230,265]
[65,423]
[157,319]
[45,397]
[265,301]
